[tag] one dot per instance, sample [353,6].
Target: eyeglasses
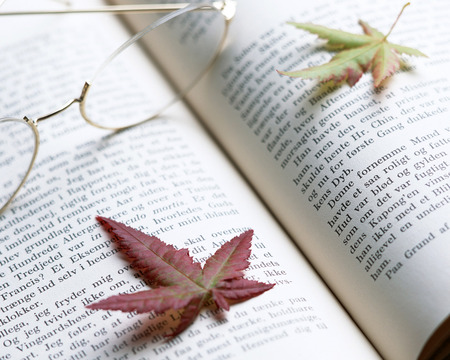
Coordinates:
[113,100]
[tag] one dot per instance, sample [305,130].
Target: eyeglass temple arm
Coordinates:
[123,9]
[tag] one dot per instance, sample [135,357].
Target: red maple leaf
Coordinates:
[177,281]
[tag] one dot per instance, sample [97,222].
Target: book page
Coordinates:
[358,176]
[165,178]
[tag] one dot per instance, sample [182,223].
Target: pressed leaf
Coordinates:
[359,54]
[180,282]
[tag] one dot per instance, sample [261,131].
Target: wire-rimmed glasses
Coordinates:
[110,100]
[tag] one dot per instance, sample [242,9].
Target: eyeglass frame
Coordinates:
[227,8]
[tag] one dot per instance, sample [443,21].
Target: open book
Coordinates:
[347,190]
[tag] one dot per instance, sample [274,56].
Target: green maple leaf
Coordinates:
[359,53]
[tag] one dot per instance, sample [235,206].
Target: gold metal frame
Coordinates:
[226,7]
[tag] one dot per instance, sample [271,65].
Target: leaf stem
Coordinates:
[395,22]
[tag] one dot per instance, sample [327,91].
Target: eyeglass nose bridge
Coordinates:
[60,110]
[79,100]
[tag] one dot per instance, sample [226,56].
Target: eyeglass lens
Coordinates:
[17,147]
[117,100]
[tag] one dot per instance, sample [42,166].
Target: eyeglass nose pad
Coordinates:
[19,142]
